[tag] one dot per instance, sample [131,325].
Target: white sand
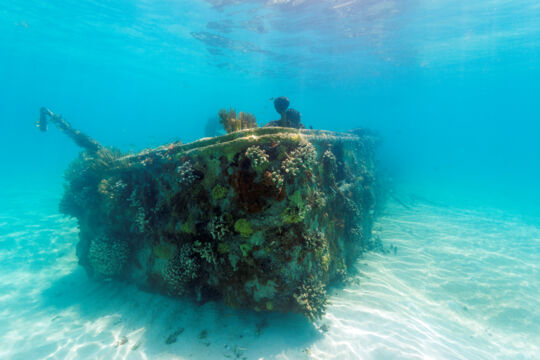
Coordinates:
[462,284]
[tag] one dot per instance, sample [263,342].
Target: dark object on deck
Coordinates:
[281,104]
[290,118]
[294,119]
[81,139]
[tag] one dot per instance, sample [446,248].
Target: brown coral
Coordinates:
[232,122]
[311,298]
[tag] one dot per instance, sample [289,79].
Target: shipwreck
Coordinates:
[261,217]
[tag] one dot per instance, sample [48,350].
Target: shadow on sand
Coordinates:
[134,324]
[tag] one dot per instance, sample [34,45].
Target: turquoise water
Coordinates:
[451,87]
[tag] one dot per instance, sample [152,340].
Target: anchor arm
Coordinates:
[81,139]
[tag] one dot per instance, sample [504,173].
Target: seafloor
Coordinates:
[455,283]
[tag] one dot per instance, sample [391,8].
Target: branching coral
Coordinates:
[141,221]
[259,157]
[311,298]
[186,174]
[273,178]
[317,199]
[117,190]
[330,161]
[83,178]
[180,270]
[301,158]
[205,251]
[232,122]
[218,227]
[107,256]
[330,167]
[314,240]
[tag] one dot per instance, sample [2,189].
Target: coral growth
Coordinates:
[264,219]
[314,240]
[112,189]
[205,251]
[232,122]
[141,221]
[274,178]
[180,271]
[301,158]
[297,210]
[83,178]
[185,174]
[243,227]
[218,227]
[108,256]
[311,298]
[259,158]
[219,192]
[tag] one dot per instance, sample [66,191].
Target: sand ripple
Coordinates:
[462,284]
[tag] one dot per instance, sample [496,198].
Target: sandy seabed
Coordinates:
[454,283]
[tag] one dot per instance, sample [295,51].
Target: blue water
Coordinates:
[451,87]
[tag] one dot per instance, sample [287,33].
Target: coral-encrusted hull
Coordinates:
[263,218]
